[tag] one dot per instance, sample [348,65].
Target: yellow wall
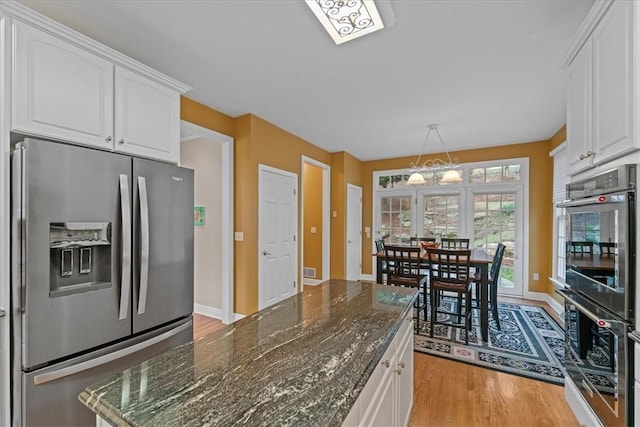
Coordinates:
[345,169]
[259,142]
[313,217]
[558,138]
[540,197]
[201,115]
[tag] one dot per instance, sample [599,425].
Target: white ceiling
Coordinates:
[487,71]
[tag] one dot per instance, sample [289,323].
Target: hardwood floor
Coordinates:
[453,394]
[202,325]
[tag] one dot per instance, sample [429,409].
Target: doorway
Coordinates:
[210,154]
[354,232]
[277,235]
[315,230]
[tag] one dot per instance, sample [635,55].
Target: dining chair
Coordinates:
[380,248]
[415,241]
[404,268]
[577,247]
[452,275]
[494,276]
[607,248]
[454,243]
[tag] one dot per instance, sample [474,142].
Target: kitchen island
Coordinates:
[303,361]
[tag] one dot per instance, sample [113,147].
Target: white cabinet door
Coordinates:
[59,90]
[383,412]
[404,379]
[579,112]
[147,117]
[613,82]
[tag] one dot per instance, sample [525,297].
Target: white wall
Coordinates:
[204,157]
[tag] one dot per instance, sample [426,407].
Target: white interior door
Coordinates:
[277,240]
[354,232]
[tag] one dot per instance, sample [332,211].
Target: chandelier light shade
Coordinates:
[346,20]
[451,175]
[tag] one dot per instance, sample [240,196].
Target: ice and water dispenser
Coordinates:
[80,257]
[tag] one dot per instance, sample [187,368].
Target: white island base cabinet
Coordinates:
[387,398]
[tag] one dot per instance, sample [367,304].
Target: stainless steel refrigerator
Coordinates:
[102,272]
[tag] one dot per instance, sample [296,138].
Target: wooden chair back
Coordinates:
[403,266]
[577,247]
[607,248]
[415,241]
[449,266]
[454,243]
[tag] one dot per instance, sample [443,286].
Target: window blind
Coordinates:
[560,172]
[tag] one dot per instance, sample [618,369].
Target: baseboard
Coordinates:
[579,405]
[368,277]
[205,310]
[310,281]
[237,316]
[543,296]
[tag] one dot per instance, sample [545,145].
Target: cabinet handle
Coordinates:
[401,364]
[398,371]
[121,141]
[109,139]
[582,157]
[386,363]
[590,153]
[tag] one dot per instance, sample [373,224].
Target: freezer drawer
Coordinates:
[50,396]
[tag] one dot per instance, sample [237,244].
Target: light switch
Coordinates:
[239,236]
[314,230]
[367,230]
[334,214]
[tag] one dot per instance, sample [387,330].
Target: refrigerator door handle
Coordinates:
[109,357]
[125,287]
[144,244]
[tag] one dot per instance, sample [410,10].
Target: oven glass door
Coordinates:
[596,354]
[596,251]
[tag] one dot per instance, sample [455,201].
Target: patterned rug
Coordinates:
[530,343]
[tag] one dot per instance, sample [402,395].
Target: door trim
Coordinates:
[271,169]
[227,196]
[326,218]
[351,187]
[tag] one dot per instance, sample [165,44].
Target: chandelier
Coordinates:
[451,175]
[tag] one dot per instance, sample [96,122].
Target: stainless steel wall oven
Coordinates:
[600,255]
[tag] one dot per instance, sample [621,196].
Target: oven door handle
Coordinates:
[620,198]
[567,295]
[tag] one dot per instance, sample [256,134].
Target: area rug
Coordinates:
[529,344]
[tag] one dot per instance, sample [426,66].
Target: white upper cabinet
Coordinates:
[579,151]
[60,90]
[147,119]
[603,86]
[612,82]
[70,88]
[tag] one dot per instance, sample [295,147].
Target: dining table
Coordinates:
[480,260]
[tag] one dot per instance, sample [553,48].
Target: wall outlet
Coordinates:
[314,230]
[536,276]
[238,236]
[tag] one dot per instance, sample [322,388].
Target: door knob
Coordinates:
[265,253]
[2,312]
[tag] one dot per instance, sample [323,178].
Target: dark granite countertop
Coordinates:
[302,361]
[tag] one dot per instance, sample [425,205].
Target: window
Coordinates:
[488,206]
[395,221]
[441,216]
